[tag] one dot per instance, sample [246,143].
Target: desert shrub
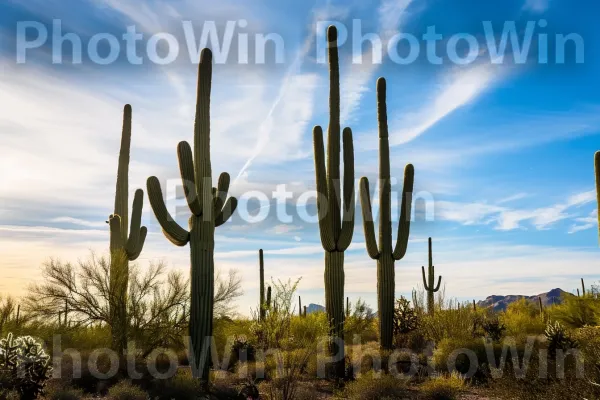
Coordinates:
[576,312]
[183,386]
[559,338]
[24,366]
[361,322]
[523,318]
[406,319]
[313,327]
[443,387]
[64,393]
[9,395]
[124,390]
[242,349]
[457,323]
[370,387]
[493,328]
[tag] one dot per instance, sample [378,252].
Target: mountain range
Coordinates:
[500,303]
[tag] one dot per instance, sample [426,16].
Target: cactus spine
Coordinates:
[384,254]
[428,283]
[263,305]
[209,208]
[335,230]
[124,246]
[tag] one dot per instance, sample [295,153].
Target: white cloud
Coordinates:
[536,6]
[585,223]
[504,218]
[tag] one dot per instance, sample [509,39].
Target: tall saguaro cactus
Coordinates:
[385,255]
[429,282]
[336,217]
[210,208]
[124,246]
[261,266]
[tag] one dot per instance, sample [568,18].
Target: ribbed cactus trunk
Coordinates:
[336,215]
[262,307]
[210,209]
[428,283]
[384,254]
[125,246]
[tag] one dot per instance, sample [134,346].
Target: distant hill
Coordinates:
[312,308]
[500,303]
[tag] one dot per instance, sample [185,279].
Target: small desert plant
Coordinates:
[523,318]
[124,390]
[443,387]
[493,329]
[370,387]
[24,366]
[405,317]
[559,338]
[361,321]
[181,387]
[65,393]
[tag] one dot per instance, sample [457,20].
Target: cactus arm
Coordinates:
[186,170]
[203,170]
[226,212]
[135,242]
[405,213]
[425,280]
[367,214]
[349,193]
[134,253]
[325,226]
[220,195]
[438,284]
[172,230]
[597,173]
[116,239]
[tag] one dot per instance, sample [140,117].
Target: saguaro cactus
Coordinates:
[299,306]
[336,230]
[263,306]
[210,208]
[384,254]
[429,283]
[582,287]
[124,246]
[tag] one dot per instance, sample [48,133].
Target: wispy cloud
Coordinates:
[461,87]
[357,81]
[536,6]
[504,218]
[585,223]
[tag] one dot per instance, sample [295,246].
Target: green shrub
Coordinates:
[124,390]
[456,323]
[523,318]
[443,387]
[577,312]
[369,387]
[181,387]
[406,319]
[65,393]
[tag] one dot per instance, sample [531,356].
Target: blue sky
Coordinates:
[504,150]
